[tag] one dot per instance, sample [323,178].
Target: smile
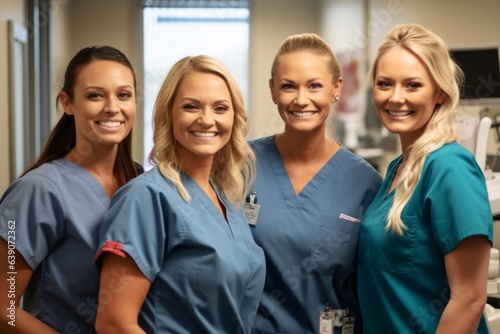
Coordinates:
[110,124]
[203,134]
[399,113]
[302,114]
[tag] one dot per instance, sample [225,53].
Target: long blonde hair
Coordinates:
[441,128]
[233,168]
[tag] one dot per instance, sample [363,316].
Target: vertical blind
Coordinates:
[176,29]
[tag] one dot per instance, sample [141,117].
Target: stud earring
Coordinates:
[337,98]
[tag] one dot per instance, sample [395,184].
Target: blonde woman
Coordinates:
[177,253]
[312,194]
[425,241]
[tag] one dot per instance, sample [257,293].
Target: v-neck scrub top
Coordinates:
[206,273]
[403,287]
[309,240]
[57,210]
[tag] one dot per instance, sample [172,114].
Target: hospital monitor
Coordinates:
[481,66]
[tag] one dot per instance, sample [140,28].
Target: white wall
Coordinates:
[9,10]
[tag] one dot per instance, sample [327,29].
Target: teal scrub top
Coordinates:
[403,287]
[206,273]
[310,239]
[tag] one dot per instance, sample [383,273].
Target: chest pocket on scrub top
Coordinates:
[397,253]
[335,246]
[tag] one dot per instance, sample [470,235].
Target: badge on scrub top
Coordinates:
[252,208]
[329,319]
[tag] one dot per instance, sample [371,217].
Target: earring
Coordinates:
[337,98]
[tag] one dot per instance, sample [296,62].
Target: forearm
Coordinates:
[120,313]
[461,317]
[21,322]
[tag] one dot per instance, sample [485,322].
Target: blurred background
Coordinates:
[39,37]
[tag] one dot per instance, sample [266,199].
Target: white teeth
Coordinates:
[399,114]
[302,114]
[109,124]
[203,134]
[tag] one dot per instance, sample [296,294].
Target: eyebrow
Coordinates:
[101,87]
[389,78]
[186,99]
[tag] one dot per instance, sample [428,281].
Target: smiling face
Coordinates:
[202,115]
[404,94]
[103,103]
[303,90]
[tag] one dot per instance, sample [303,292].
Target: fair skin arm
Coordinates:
[123,289]
[467,271]
[25,323]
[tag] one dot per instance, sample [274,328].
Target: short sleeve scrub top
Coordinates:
[403,287]
[310,239]
[51,217]
[206,273]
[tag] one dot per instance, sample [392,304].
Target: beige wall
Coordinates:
[9,10]
[272,21]
[85,23]
[457,22]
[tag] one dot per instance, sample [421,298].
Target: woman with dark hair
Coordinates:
[50,216]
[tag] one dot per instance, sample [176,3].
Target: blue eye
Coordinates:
[316,85]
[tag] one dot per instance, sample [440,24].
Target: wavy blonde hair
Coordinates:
[441,128]
[233,167]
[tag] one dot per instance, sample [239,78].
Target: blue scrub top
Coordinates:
[403,287]
[57,209]
[206,273]
[310,240]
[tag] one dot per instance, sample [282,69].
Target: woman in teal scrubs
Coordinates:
[425,241]
[177,253]
[308,199]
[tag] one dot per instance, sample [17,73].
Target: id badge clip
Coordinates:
[329,319]
[326,320]
[252,209]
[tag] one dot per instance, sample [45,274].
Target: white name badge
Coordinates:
[252,213]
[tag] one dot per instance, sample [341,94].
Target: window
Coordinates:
[176,29]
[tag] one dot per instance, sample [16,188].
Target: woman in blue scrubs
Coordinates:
[50,216]
[176,250]
[425,241]
[308,199]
